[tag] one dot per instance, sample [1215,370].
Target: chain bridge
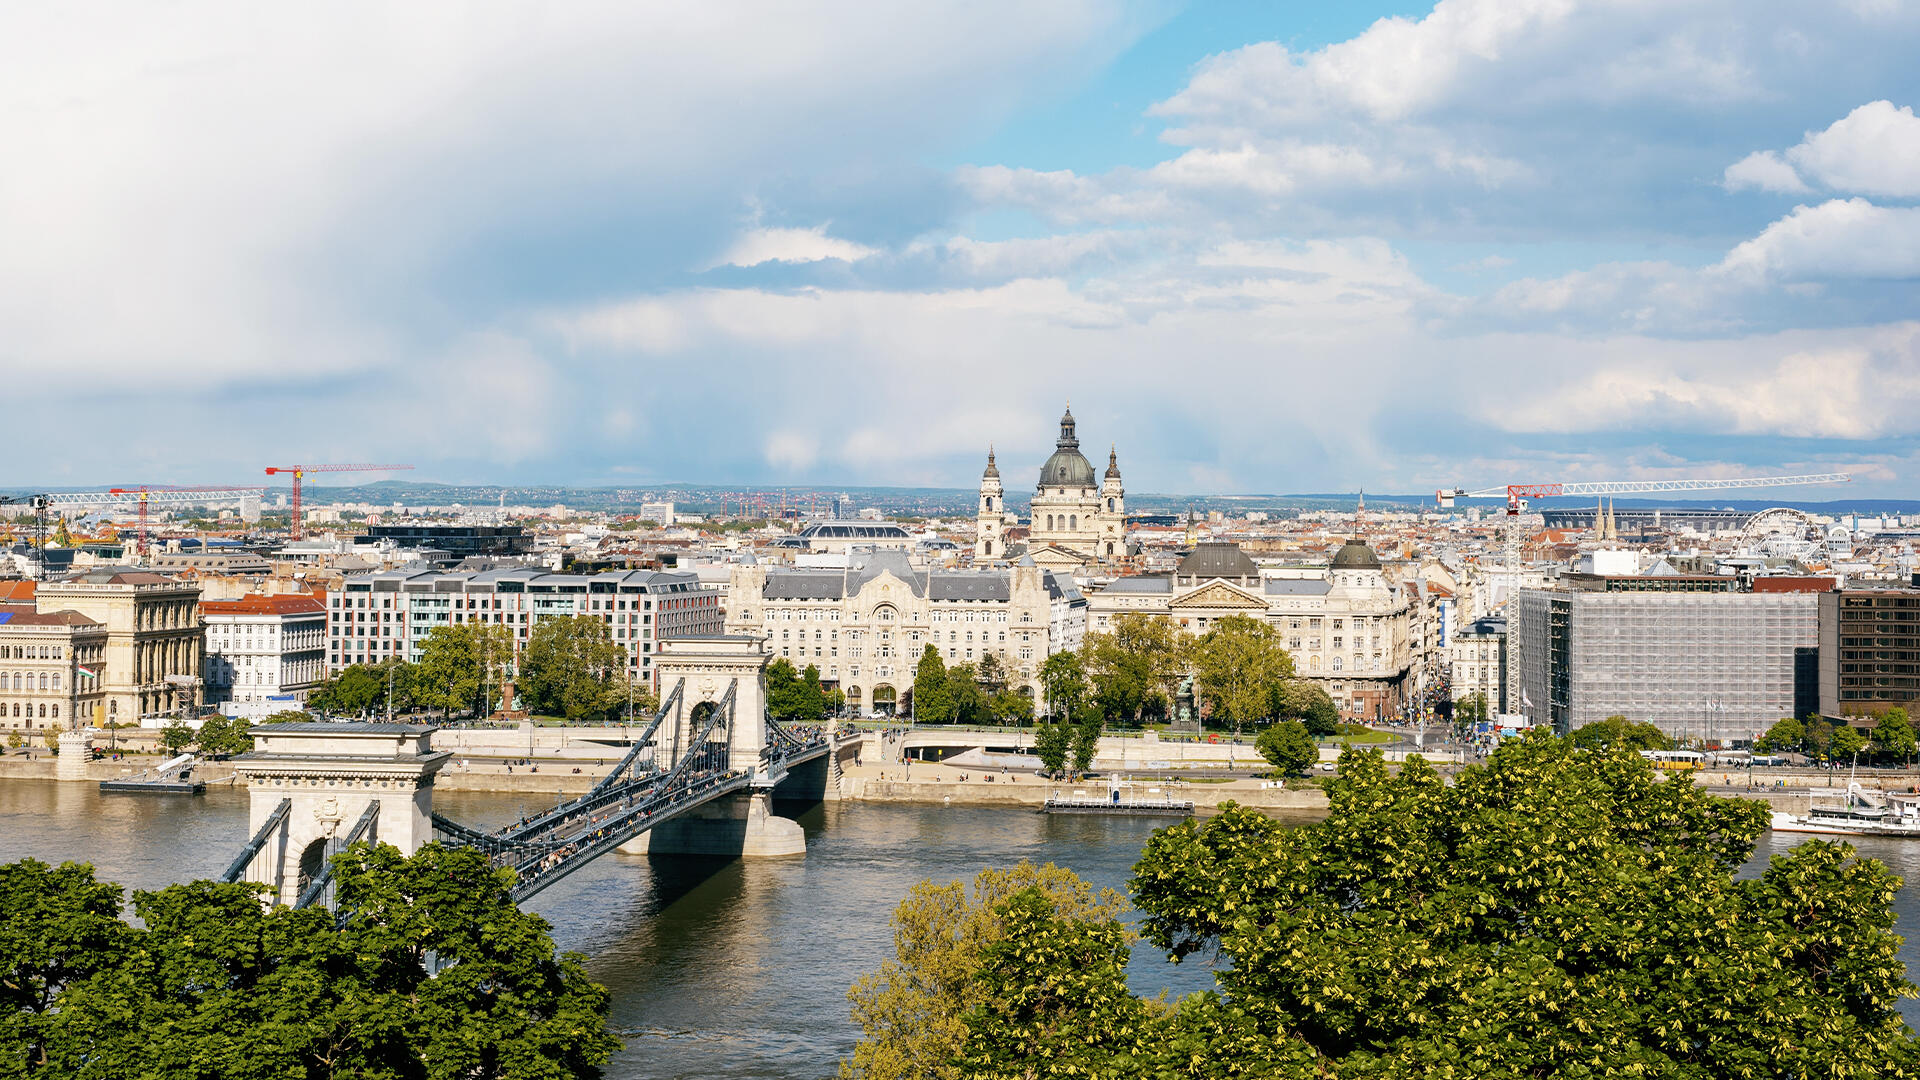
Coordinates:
[700,779]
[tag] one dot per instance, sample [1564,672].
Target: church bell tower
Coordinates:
[990,519]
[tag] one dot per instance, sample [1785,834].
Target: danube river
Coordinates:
[717,969]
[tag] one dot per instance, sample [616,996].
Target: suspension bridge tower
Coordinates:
[317,787]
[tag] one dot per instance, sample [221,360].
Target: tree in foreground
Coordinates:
[1556,912]
[1305,701]
[434,974]
[1287,747]
[913,1011]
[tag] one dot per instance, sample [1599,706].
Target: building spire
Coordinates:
[992,469]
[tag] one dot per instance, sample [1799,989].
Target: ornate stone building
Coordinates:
[155,647]
[1349,629]
[1076,519]
[865,627]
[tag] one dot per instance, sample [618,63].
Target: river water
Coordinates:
[717,969]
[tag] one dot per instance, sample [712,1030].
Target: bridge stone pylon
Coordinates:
[315,787]
[742,824]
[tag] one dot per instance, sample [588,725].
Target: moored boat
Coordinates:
[1859,812]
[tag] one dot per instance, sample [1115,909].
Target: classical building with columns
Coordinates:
[1348,628]
[865,626]
[155,646]
[1076,519]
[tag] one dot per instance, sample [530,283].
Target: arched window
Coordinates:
[1336,663]
[986,548]
[43,680]
[1109,547]
[1109,506]
[1314,664]
[43,712]
[1073,522]
[1049,522]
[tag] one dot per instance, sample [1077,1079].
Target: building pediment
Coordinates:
[1215,595]
[1055,556]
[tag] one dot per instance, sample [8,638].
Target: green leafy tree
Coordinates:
[1847,743]
[572,667]
[913,1012]
[1142,659]
[175,737]
[462,667]
[15,740]
[1051,744]
[970,704]
[991,674]
[224,735]
[1618,731]
[1053,991]
[1555,912]
[1012,706]
[1305,701]
[1288,747]
[1893,737]
[1470,712]
[434,973]
[1240,670]
[1063,681]
[1785,736]
[1086,742]
[794,696]
[932,696]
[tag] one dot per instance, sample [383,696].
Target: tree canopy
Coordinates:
[1141,660]
[1063,682]
[1288,746]
[1893,736]
[932,698]
[464,666]
[1309,703]
[913,1010]
[434,975]
[571,667]
[795,696]
[1240,670]
[1557,911]
[1618,731]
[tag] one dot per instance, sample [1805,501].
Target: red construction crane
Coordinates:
[300,471]
[156,493]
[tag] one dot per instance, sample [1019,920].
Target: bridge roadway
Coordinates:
[643,792]
[685,760]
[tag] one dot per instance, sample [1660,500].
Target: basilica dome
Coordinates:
[1068,467]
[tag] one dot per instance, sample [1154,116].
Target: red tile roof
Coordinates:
[284,604]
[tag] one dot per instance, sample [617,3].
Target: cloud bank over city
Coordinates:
[1481,241]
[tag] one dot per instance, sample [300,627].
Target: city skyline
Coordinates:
[1545,241]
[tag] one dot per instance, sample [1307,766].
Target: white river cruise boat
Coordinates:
[1860,812]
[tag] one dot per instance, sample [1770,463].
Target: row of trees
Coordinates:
[1555,912]
[1890,741]
[1241,675]
[570,667]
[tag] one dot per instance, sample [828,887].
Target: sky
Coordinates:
[1260,247]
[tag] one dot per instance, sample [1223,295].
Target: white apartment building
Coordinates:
[388,615]
[263,649]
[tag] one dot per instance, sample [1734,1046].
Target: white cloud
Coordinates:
[791,246]
[1765,170]
[1840,238]
[1853,385]
[1874,150]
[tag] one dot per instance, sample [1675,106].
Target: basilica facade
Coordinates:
[1077,520]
